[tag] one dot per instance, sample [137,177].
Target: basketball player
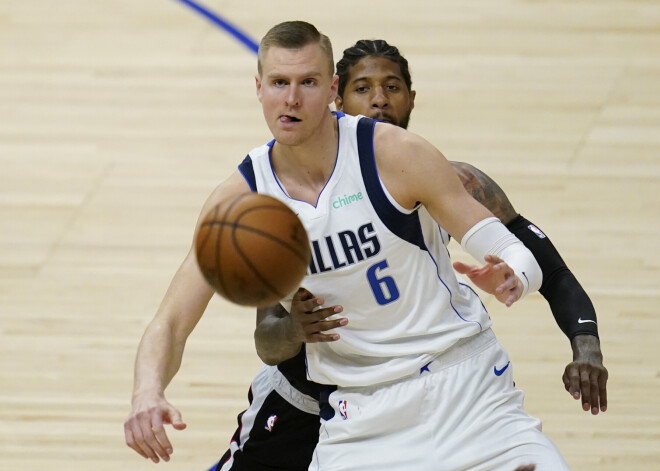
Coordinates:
[412,334]
[446,335]
[374,80]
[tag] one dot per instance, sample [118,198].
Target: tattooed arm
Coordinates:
[585,377]
[486,191]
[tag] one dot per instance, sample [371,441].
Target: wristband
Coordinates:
[491,237]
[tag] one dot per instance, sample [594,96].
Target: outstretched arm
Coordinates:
[159,358]
[585,377]
[426,178]
[161,349]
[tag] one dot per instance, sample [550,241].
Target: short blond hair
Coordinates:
[295,35]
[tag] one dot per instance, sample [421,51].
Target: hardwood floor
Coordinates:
[118,118]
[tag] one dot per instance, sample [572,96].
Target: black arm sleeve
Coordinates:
[570,304]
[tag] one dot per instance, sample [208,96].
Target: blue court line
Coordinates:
[224,24]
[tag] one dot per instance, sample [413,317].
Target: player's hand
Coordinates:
[144,429]
[586,377]
[495,277]
[309,322]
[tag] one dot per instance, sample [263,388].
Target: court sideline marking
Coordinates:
[223,24]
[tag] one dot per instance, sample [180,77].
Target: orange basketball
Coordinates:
[252,249]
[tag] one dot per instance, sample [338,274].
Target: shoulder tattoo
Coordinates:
[486,191]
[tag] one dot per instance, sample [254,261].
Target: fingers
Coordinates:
[597,389]
[311,310]
[160,443]
[494,263]
[571,380]
[602,389]
[132,442]
[585,388]
[134,431]
[462,268]
[589,383]
[149,422]
[493,259]
[176,421]
[305,302]
[510,291]
[172,417]
[321,337]
[145,432]
[315,332]
[495,277]
[311,320]
[316,323]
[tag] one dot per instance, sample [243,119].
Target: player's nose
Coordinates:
[379,98]
[293,96]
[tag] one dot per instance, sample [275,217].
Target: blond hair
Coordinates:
[295,35]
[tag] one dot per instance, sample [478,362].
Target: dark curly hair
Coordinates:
[367,48]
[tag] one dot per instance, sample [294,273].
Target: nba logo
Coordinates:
[536,231]
[270,423]
[343,406]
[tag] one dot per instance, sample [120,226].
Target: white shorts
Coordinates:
[459,412]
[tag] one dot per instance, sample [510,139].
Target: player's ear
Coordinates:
[339,103]
[258,84]
[333,89]
[413,93]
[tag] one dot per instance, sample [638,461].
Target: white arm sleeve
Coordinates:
[491,237]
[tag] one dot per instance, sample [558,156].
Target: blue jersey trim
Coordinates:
[247,171]
[339,115]
[451,294]
[405,226]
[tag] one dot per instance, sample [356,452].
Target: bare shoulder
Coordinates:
[388,139]
[485,190]
[408,164]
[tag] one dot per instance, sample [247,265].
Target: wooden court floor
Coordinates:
[117,118]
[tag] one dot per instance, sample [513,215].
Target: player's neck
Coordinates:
[304,169]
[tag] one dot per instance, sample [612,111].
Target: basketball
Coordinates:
[253,250]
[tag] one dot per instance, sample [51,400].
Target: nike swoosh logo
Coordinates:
[584,321]
[499,372]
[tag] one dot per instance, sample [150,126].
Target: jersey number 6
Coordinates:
[384,289]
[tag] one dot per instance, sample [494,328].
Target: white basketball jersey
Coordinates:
[387,266]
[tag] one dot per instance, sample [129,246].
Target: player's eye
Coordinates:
[362,89]
[279,82]
[309,82]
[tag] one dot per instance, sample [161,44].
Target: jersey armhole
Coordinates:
[247,170]
[400,221]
